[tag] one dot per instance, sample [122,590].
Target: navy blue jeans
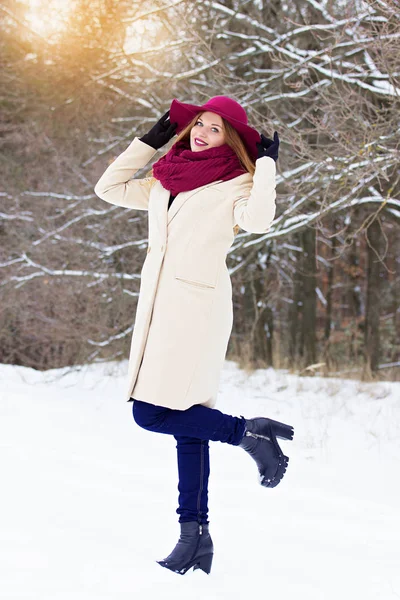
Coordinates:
[192,430]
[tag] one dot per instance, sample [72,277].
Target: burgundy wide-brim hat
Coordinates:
[223,106]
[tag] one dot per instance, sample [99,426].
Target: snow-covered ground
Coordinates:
[88,498]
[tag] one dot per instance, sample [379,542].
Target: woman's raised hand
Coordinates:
[160,133]
[268,147]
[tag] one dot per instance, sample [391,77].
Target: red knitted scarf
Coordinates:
[181,169]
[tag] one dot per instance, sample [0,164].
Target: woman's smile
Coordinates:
[199,142]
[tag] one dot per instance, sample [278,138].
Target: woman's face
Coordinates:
[209,129]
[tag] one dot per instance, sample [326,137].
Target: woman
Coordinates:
[218,175]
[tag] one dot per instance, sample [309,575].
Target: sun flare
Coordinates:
[48,17]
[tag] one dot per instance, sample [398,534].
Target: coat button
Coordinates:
[148,249]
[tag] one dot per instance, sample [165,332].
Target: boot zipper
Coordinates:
[257,436]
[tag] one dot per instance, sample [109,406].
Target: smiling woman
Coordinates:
[219,173]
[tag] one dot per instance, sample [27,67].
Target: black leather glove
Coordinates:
[160,133]
[268,147]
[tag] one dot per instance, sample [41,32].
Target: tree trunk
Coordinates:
[372,312]
[295,308]
[329,293]
[309,322]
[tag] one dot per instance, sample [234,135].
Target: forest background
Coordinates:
[318,293]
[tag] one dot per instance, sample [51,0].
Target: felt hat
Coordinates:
[223,106]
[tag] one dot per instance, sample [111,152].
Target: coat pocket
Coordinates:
[196,283]
[200,260]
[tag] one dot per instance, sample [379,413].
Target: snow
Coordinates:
[321,296]
[88,498]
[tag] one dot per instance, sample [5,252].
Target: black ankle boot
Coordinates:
[259,440]
[194,549]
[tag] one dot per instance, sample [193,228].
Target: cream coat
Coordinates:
[184,313]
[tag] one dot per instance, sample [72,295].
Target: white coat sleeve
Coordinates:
[116,186]
[254,206]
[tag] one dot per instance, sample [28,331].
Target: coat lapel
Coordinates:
[183,197]
[165,216]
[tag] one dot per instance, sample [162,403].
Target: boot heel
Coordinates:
[204,563]
[282,431]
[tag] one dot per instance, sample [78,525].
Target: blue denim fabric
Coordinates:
[193,471]
[192,429]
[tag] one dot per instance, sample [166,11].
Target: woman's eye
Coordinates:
[200,123]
